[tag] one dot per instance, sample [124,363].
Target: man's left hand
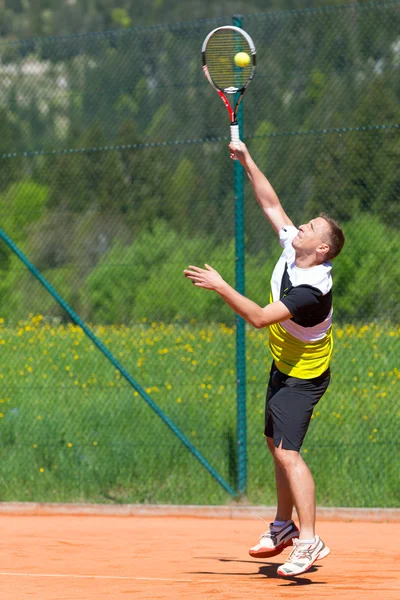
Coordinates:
[207,278]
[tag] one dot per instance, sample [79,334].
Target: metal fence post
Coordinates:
[240,324]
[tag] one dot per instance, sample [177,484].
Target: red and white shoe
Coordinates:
[275,540]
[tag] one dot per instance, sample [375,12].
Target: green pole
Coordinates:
[240,324]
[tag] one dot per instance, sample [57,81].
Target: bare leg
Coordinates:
[283,492]
[302,488]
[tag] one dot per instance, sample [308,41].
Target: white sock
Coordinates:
[308,541]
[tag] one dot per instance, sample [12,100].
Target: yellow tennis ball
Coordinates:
[242,59]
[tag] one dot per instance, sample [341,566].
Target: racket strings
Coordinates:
[220,55]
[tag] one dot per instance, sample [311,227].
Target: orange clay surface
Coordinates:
[99,557]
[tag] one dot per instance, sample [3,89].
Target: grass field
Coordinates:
[73,429]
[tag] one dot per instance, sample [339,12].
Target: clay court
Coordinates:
[90,556]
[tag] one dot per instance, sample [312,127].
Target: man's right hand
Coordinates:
[240,153]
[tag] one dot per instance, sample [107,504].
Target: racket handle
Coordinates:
[235,135]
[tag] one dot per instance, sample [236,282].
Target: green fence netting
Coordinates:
[115,175]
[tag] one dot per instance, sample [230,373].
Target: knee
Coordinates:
[286,458]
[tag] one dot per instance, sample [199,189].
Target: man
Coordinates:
[299,317]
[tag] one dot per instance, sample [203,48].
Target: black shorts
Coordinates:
[289,405]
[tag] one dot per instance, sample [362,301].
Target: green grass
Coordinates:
[73,429]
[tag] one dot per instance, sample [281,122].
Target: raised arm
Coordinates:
[263,190]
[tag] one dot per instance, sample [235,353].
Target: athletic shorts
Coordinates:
[289,405]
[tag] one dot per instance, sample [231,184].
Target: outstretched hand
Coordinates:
[207,278]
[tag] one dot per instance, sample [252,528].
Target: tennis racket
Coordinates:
[229,63]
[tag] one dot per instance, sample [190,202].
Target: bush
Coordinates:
[364,290]
[145,279]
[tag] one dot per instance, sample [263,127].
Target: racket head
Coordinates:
[218,53]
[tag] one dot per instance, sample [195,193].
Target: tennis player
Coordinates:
[299,317]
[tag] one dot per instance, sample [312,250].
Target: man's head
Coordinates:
[321,238]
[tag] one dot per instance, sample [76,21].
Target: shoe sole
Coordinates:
[265,553]
[324,552]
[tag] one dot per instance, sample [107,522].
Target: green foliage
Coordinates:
[115,143]
[126,269]
[24,19]
[317,85]
[145,279]
[362,286]
[11,295]
[121,17]
[22,204]
[10,130]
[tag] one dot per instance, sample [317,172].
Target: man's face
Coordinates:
[311,236]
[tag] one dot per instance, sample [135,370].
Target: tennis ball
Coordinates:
[242,59]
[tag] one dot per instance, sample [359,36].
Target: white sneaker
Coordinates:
[303,556]
[275,540]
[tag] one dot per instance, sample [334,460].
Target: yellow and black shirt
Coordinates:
[301,346]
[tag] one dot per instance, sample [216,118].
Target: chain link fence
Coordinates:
[115,176]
